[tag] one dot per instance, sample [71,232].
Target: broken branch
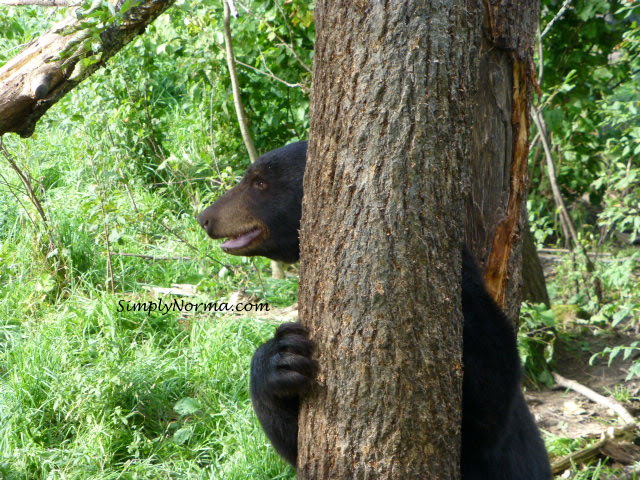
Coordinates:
[595,397]
[53,64]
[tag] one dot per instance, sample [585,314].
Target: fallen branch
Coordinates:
[626,433]
[595,397]
[53,64]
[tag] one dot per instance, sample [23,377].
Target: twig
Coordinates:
[235,86]
[188,180]
[32,195]
[595,397]
[270,75]
[284,42]
[557,16]
[150,257]
[26,181]
[195,249]
[12,190]
[566,221]
[40,3]
[107,231]
[582,456]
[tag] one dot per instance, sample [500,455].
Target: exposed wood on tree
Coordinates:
[499,151]
[53,64]
[381,238]
[595,397]
[505,241]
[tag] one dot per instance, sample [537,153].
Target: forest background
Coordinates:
[121,166]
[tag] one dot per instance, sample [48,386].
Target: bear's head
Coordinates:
[261,215]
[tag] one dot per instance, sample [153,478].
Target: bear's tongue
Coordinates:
[243,240]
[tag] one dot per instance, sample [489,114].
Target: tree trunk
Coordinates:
[534,288]
[496,209]
[53,64]
[381,239]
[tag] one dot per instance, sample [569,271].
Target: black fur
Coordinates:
[500,440]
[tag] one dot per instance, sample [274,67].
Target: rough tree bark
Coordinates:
[534,288]
[53,64]
[381,238]
[496,209]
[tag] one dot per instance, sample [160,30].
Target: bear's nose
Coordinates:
[203,220]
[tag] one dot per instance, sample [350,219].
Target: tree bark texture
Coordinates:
[496,209]
[53,64]
[381,238]
[534,287]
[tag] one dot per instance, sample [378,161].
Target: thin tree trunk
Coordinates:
[381,239]
[277,270]
[243,122]
[567,223]
[53,64]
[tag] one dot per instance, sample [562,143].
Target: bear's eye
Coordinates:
[259,184]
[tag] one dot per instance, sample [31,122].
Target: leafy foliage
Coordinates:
[124,163]
[122,166]
[591,84]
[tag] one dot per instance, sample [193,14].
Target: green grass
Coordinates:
[86,392]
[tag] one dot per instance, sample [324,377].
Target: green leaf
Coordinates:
[187,406]
[182,435]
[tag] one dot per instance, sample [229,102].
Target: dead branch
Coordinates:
[276,267]
[53,64]
[107,230]
[626,433]
[595,397]
[566,221]
[556,17]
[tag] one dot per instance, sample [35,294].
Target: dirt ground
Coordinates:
[570,414]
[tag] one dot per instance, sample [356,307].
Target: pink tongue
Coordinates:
[242,240]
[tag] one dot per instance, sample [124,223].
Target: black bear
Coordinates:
[500,440]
